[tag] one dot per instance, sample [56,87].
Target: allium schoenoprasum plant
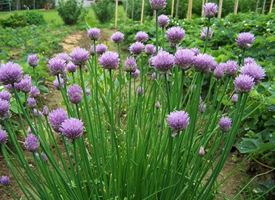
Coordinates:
[129,129]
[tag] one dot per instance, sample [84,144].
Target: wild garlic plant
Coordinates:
[133,129]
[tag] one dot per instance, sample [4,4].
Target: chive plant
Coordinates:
[140,132]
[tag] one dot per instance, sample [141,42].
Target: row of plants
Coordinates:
[155,127]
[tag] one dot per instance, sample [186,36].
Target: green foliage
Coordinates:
[70,11]
[104,10]
[23,19]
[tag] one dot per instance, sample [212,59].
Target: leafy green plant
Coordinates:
[104,10]
[69,11]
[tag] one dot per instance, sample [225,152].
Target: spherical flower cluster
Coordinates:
[101,48]
[31,102]
[33,60]
[178,120]
[204,63]
[3,137]
[130,64]
[175,35]
[158,4]
[75,94]
[4,180]
[135,74]
[219,70]
[45,111]
[210,9]
[150,49]
[71,67]
[72,128]
[63,56]
[4,108]
[204,34]
[34,92]
[56,66]
[24,85]
[253,70]
[231,67]
[184,58]
[79,56]
[245,40]
[31,143]
[136,48]
[10,73]
[57,117]
[5,95]
[234,98]
[163,61]
[249,60]
[117,37]
[163,21]
[58,84]
[225,124]
[109,60]
[94,33]
[243,83]
[141,36]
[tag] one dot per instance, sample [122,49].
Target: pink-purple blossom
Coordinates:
[33,60]
[184,58]
[150,49]
[163,61]
[31,143]
[204,63]
[72,128]
[178,120]
[210,10]
[10,73]
[109,60]
[94,33]
[225,124]
[141,36]
[130,64]
[158,4]
[56,66]
[245,40]
[253,70]
[79,56]
[101,48]
[5,95]
[75,94]
[57,117]
[163,21]
[243,83]
[136,48]
[3,137]
[117,37]
[175,35]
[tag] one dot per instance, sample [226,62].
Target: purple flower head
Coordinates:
[175,35]
[33,60]
[58,84]
[210,9]
[163,61]
[94,33]
[75,94]
[71,67]
[130,64]
[243,83]
[45,111]
[79,56]
[24,85]
[225,124]
[184,58]
[31,102]
[117,37]
[72,128]
[234,98]
[196,51]
[3,137]
[204,34]
[158,4]
[4,180]
[201,151]
[157,105]
[150,49]
[163,21]
[109,60]
[140,91]
[5,95]
[135,74]
[249,60]
[63,56]
[56,66]
[220,70]
[34,92]
[245,40]
[177,121]
[4,109]
[231,67]
[10,73]
[204,63]
[31,143]
[141,36]
[253,70]
[57,117]
[136,48]
[101,48]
